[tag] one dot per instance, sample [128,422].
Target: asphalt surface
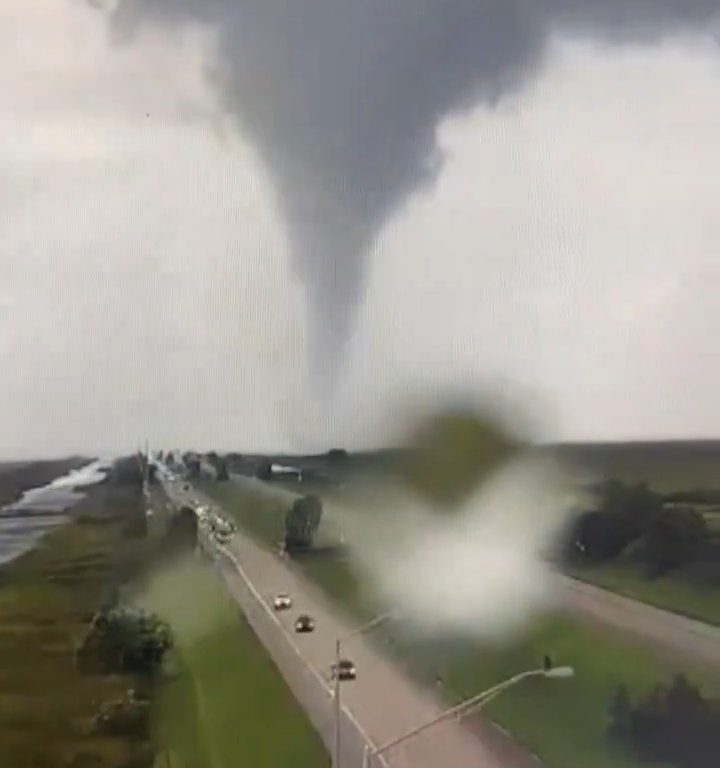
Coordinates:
[383,703]
[667,631]
[380,705]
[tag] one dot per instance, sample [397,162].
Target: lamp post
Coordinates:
[372,624]
[464,707]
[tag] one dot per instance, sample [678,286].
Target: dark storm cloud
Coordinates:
[342,98]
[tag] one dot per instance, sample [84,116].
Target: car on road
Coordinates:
[304,623]
[343,670]
[282,602]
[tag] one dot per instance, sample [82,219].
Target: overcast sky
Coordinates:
[568,252]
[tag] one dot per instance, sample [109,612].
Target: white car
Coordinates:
[282,602]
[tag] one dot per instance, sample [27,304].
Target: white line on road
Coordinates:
[371,744]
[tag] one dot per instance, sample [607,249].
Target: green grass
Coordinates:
[665,466]
[229,705]
[670,592]
[46,597]
[261,514]
[562,721]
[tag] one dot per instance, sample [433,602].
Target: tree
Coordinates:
[222,471]
[302,522]
[620,713]
[182,529]
[674,725]
[672,538]
[622,514]
[264,471]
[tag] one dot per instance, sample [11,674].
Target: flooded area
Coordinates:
[39,510]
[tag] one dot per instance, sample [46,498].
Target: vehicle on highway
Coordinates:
[304,623]
[222,538]
[282,602]
[343,670]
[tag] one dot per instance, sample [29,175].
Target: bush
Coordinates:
[124,640]
[633,516]
[673,725]
[672,538]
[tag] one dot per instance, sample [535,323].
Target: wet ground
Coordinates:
[39,510]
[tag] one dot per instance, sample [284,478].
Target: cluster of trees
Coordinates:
[192,464]
[633,515]
[220,466]
[301,523]
[674,725]
[264,470]
[695,496]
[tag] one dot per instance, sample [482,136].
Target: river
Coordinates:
[39,510]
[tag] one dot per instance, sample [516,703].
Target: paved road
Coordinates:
[675,634]
[382,703]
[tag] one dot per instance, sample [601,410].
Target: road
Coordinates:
[667,631]
[381,705]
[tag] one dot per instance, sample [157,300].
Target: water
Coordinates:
[39,510]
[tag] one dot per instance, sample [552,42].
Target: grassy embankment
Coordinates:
[228,704]
[46,598]
[563,722]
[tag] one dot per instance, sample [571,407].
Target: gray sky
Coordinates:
[567,250]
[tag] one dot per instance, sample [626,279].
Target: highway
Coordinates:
[669,632]
[381,705]
[383,702]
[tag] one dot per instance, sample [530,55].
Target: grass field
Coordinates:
[563,722]
[46,598]
[261,513]
[665,466]
[228,704]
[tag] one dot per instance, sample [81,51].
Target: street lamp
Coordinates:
[372,624]
[464,707]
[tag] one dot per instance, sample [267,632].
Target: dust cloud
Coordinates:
[484,571]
